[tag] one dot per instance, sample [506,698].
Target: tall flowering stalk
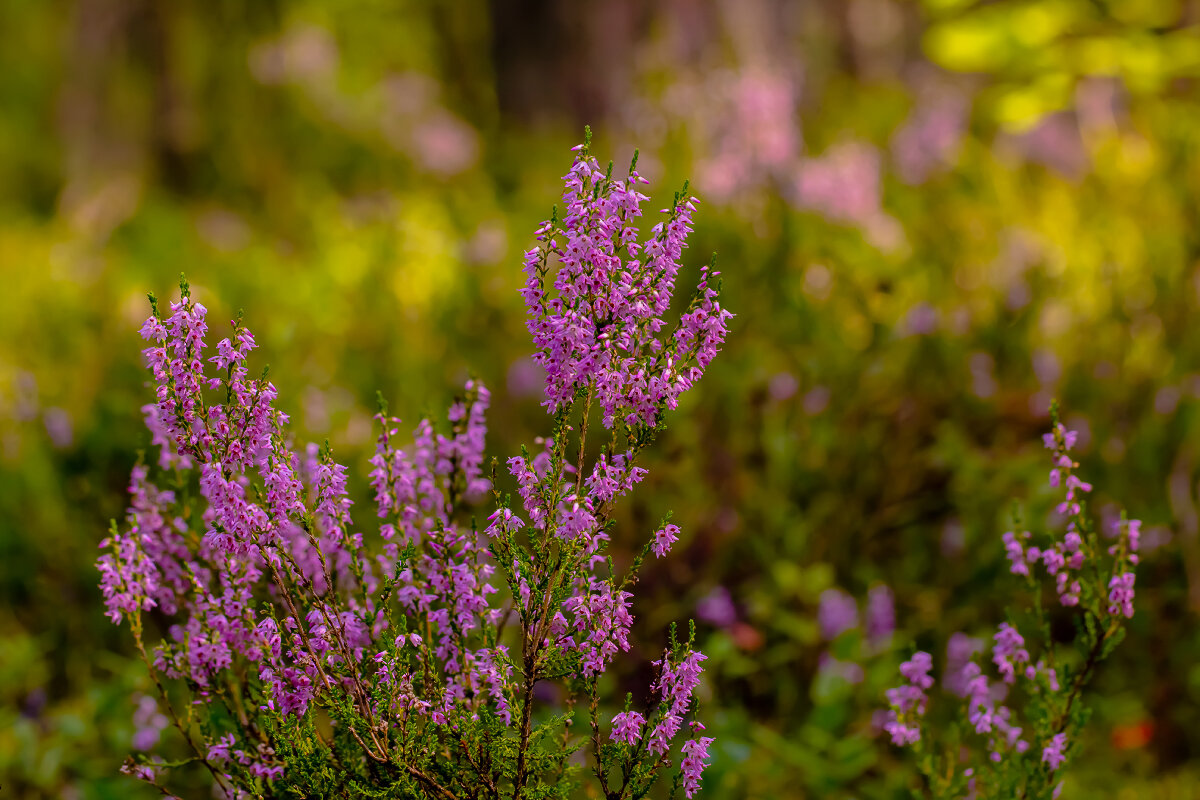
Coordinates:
[1020,729]
[322,662]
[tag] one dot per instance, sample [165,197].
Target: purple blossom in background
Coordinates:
[755,140]
[880,615]
[1166,400]
[921,320]
[1054,142]
[782,386]
[847,671]
[930,139]
[149,723]
[843,184]
[34,703]
[445,144]
[960,649]
[983,378]
[58,427]
[717,608]
[1046,366]
[816,400]
[525,378]
[953,538]
[1156,537]
[836,613]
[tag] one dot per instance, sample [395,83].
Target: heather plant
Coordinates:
[1022,728]
[314,660]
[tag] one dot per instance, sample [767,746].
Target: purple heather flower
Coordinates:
[664,538]
[1135,532]
[1120,594]
[1016,552]
[837,612]
[1009,651]
[908,701]
[150,723]
[980,705]
[880,615]
[717,608]
[143,772]
[847,671]
[901,733]
[219,750]
[273,519]
[843,183]
[695,751]
[930,138]
[674,686]
[597,320]
[1053,754]
[603,621]
[960,649]
[627,727]
[916,670]
[1068,438]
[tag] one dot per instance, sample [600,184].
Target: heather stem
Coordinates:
[136,625]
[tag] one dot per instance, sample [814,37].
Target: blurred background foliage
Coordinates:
[932,218]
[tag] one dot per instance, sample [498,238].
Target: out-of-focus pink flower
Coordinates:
[304,54]
[748,134]
[1054,142]
[959,651]
[880,615]
[526,378]
[58,426]
[782,386]
[837,612]
[445,145]
[921,320]
[717,608]
[842,184]
[932,136]
[847,671]
[816,400]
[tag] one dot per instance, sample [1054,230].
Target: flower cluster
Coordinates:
[678,677]
[599,325]
[1028,719]
[908,702]
[429,638]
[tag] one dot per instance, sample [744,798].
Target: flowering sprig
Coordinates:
[421,647]
[1021,731]
[638,745]
[908,702]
